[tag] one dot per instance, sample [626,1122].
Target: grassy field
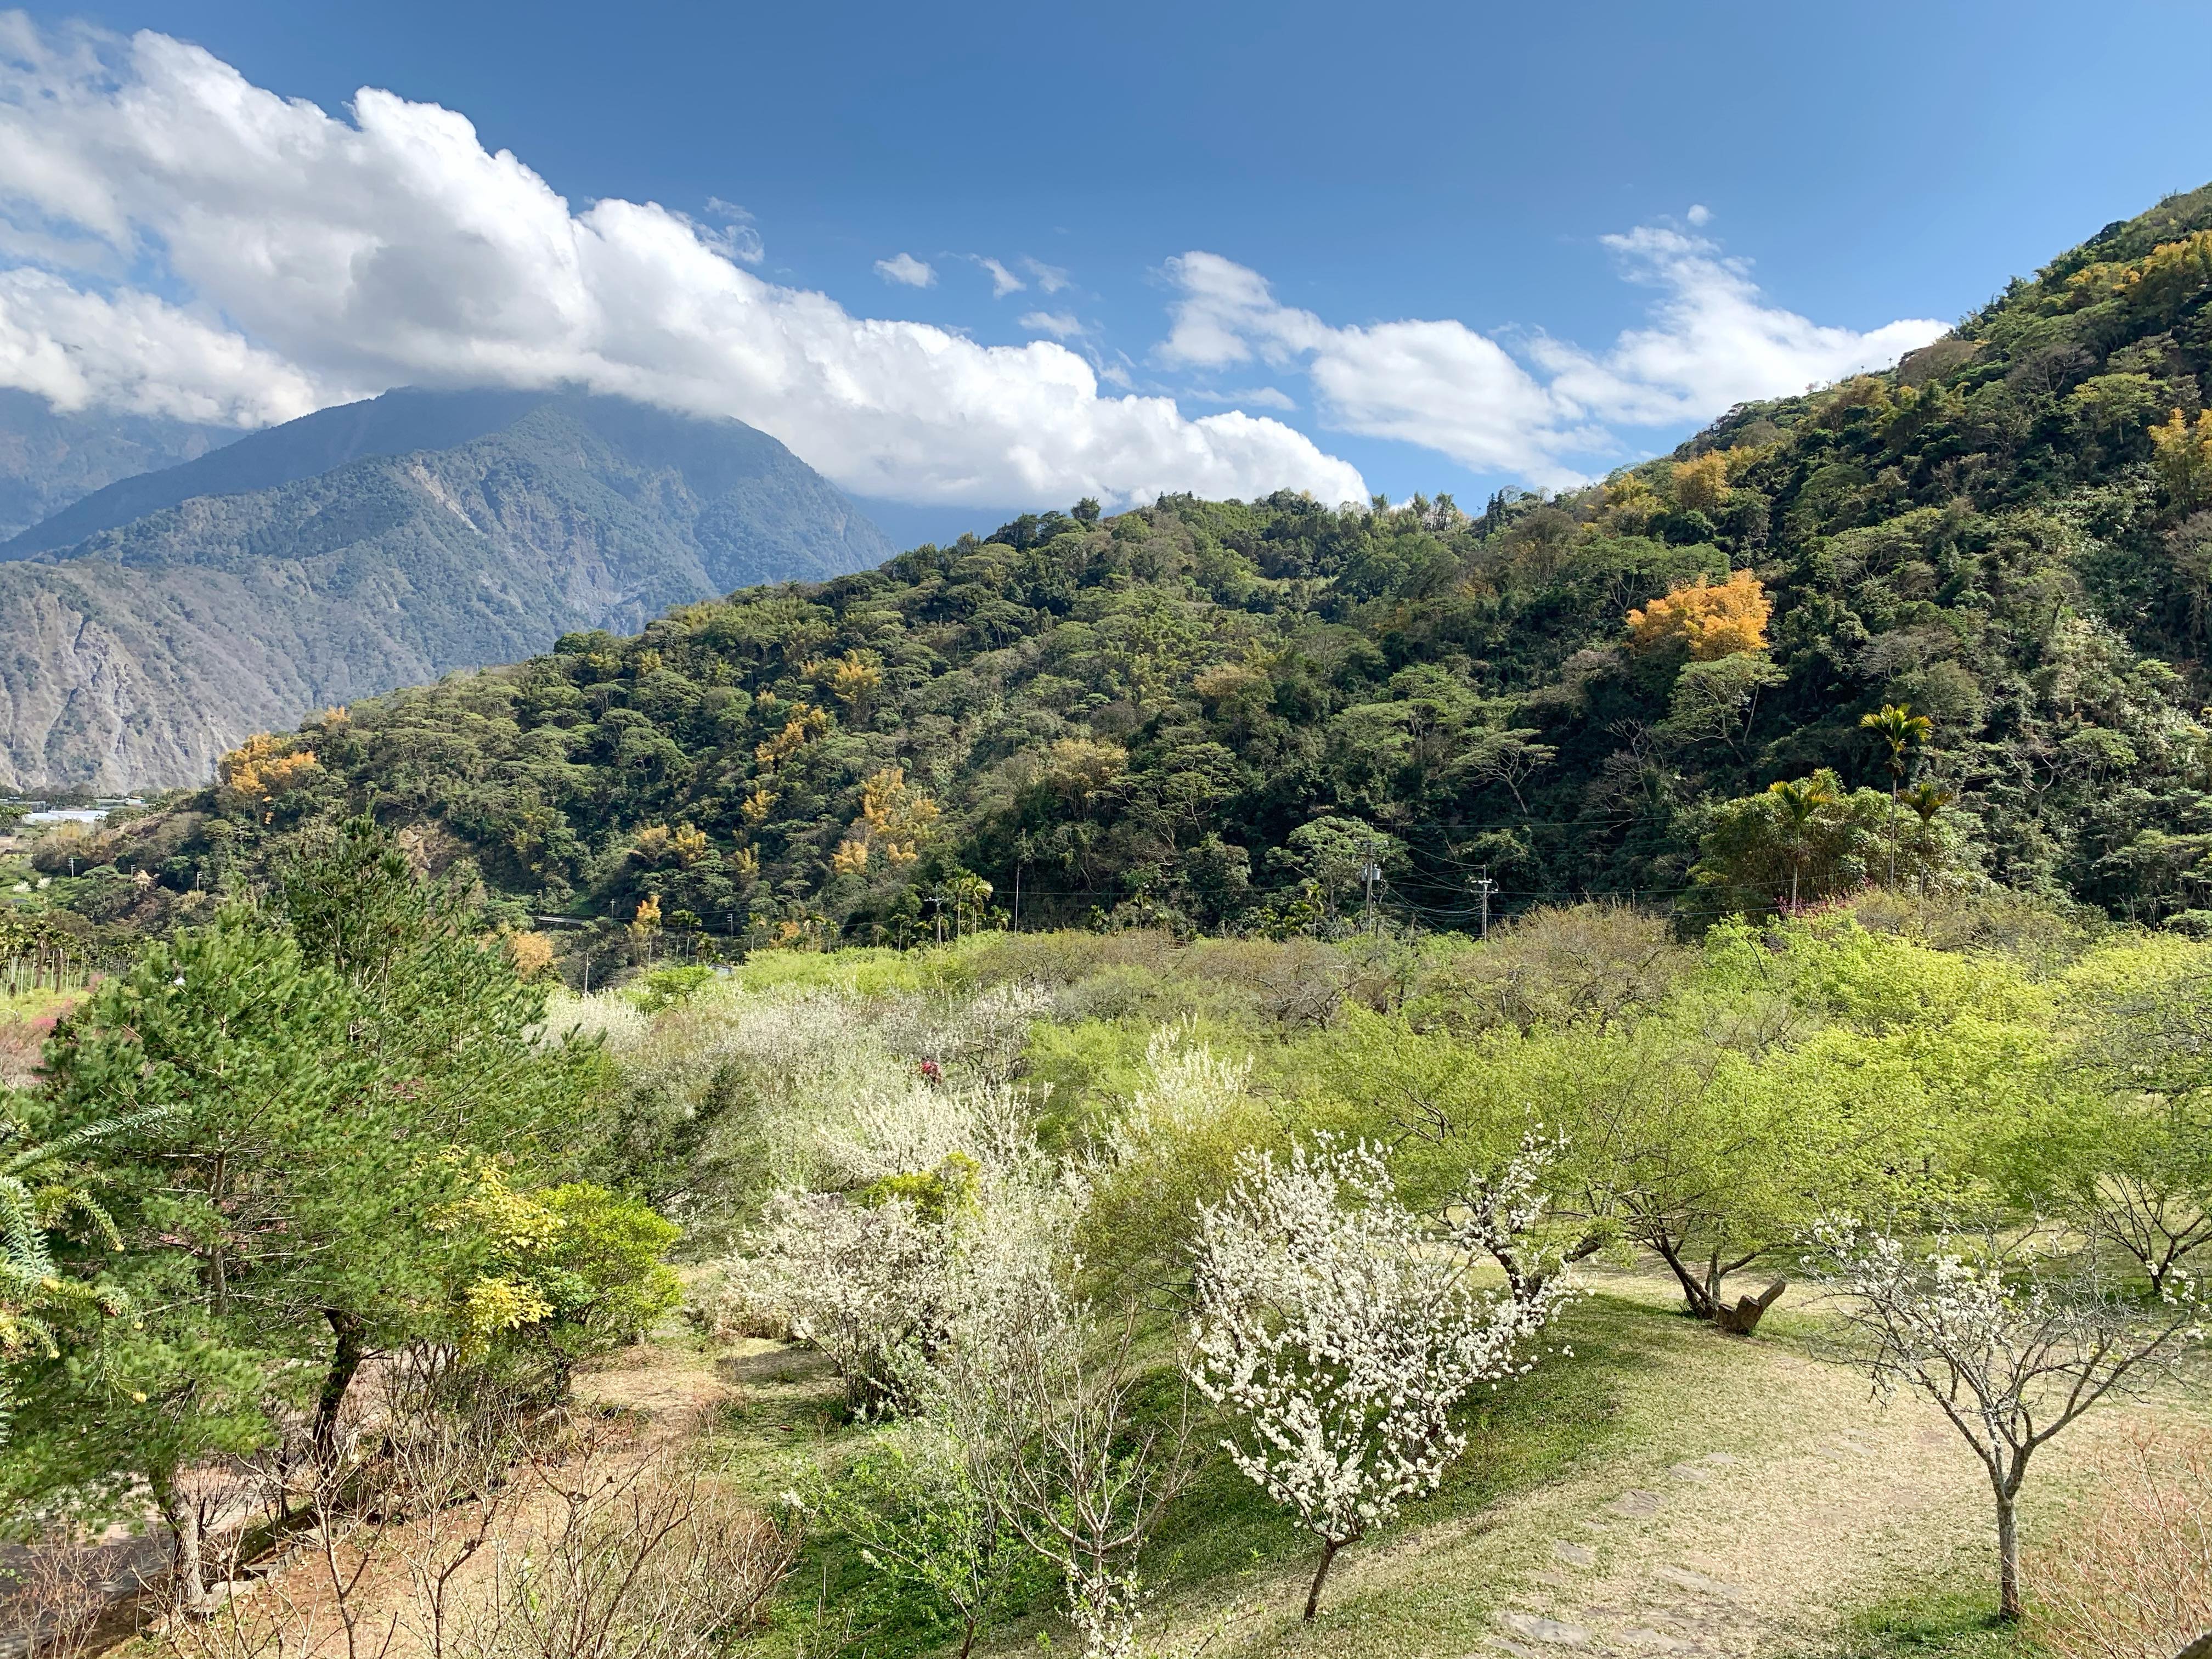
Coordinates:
[1663,1489]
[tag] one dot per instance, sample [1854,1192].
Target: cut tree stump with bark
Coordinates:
[1742,1319]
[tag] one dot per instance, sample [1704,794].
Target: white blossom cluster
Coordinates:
[1187,1085]
[913,1126]
[980,1037]
[1341,1333]
[930,1205]
[863,1282]
[1500,1212]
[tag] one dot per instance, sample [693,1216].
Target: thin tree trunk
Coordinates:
[1694,1300]
[2007,1556]
[348,1330]
[184,1518]
[1329,1546]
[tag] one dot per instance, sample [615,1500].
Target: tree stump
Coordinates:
[1743,1318]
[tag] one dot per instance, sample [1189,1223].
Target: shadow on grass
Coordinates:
[1936,1624]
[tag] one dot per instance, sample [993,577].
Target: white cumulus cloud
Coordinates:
[281,257]
[905,269]
[735,236]
[1713,341]
[1552,411]
[1437,384]
[136,353]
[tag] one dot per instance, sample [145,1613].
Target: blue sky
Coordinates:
[1342,170]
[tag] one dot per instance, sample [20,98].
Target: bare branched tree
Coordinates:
[58,1596]
[646,1560]
[1042,1399]
[2129,1576]
[2014,1337]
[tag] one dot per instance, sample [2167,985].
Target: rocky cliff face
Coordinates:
[134,658]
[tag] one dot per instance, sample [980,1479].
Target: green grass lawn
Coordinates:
[1223,1539]
[1901,1559]
[1939,1624]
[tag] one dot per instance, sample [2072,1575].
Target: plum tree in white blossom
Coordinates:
[2013,1337]
[863,1282]
[1340,1332]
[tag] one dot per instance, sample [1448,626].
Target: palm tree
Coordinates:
[1800,799]
[1927,800]
[1901,728]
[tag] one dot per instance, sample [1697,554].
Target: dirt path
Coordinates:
[1755,1551]
[1755,1500]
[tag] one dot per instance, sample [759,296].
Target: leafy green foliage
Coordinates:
[941,1559]
[284,1126]
[1147,716]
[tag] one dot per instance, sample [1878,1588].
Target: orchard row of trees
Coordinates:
[1981,1167]
[1082,1222]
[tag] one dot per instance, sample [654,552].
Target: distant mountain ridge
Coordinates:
[397,423]
[1224,715]
[377,545]
[50,457]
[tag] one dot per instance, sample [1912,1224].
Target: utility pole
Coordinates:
[1484,887]
[938,905]
[1371,873]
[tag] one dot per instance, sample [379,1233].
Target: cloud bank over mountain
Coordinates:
[191,244]
[185,243]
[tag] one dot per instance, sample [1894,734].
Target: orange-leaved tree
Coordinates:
[1711,620]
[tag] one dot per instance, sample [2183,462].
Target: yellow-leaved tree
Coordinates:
[2184,454]
[261,769]
[1709,620]
[854,681]
[1701,483]
[803,722]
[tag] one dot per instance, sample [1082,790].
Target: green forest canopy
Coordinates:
[1220,714]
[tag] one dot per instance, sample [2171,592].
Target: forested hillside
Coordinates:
[1218,714]
[370,547]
